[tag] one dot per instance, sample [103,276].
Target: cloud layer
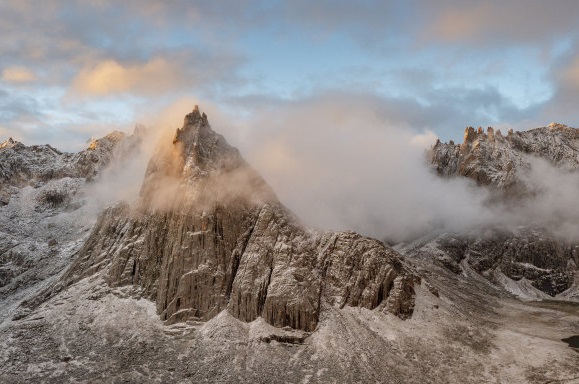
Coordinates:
[17,75]
[340,163]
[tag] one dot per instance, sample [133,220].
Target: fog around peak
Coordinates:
[341,164]
[345,163]
[348,164]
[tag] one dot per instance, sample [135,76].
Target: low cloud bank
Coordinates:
[342,163]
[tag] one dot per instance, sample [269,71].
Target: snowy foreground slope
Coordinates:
[202,282]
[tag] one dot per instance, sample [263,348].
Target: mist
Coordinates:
[343,163]
[340,163]
[122,178]
[553,202]
[348,163]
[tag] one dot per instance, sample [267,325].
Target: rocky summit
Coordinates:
[204,276]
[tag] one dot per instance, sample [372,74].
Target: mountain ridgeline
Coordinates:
[496,160]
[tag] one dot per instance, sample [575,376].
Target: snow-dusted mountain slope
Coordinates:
[45,211]
[529,263]
[468,334]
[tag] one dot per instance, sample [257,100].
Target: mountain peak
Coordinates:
[194,121]
[110,140]
[208,234]
[9,143]
[201,147]
[554,125]
[496,160]
[200,166]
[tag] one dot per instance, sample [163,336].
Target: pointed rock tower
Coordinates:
[208,235]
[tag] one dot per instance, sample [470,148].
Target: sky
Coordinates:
[296,85]
[70,70]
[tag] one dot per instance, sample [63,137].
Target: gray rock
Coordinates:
[547,263]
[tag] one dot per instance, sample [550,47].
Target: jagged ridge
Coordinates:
[22,165]
[497,161]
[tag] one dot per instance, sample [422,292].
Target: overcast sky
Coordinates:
[333,102]
[70,70]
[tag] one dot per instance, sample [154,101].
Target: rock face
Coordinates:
[494,160]
[208,234]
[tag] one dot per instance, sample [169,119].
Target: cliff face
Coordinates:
[208,234]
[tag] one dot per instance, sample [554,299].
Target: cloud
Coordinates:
[109,77]
[443,110]
[4,133]
[424,140]
[564,75]
[554,203]
[121,180]
[171,73]
[341,163]
[462,23]
[18,75]
[18,107]
[500,22]
[63,41]
[570,75]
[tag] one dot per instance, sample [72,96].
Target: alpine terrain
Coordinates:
[208,277]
